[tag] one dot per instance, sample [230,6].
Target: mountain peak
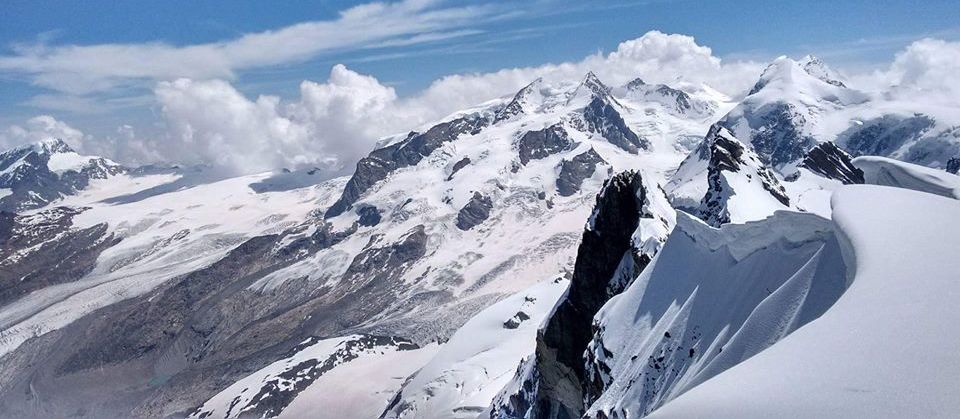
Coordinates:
[787,70]
[52,146]
[815,67]
[591,83]
[635,84]
[522,101]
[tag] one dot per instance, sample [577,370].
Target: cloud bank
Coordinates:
[333,123]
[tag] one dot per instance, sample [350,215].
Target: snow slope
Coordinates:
[889,172]
[167,229]
[886,349]
[322,364]
[710,299]
[480,358]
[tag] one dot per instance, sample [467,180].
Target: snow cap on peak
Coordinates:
[786,70]
[522,102]
[815,67]
[592,83]
[52,146]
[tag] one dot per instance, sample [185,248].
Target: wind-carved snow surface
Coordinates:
[705,316]
[710,299]
[889,172]
[886,348]
[480,358]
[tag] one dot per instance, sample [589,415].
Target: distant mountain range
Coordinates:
[573,250]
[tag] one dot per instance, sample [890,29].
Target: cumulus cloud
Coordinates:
[336,122]
[39,128]
[331,126]
[928,67]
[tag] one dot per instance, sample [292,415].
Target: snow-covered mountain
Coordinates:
[35,175]
[571,249]
[190,277]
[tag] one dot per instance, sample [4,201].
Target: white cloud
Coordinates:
[85,69]
[930,68]
[335,123]
[39,128]
[331,126]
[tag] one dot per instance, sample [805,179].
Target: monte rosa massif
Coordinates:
[575,249]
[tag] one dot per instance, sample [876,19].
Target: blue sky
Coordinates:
[40,73]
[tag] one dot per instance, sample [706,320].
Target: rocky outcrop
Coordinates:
[777,134]
[573,172]
[728,156]
[409,152]
[559,377]
[953,165]
[460,164]
[602,116]
[475,212]
[369,215]
[534,145]
[831,162]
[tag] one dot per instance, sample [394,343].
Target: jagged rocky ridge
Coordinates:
[831,162]
[609,257]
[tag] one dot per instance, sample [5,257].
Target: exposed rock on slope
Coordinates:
[409,152]
[739,187]
[574,171]
[475,212]
[542,143]
[831,162]
[34,175]
[607,260]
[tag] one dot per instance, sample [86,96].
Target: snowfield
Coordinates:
[886,348]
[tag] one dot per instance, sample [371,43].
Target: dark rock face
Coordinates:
[561,343]
[601,117]
[514,322]
[953,165]
[475,212]
[536,145]
[831,162]
[729,155]
[574,172]
[409,152]
[457,166]
[369,215]
[32,184]
[776,133]
[884,135]
[61,254]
